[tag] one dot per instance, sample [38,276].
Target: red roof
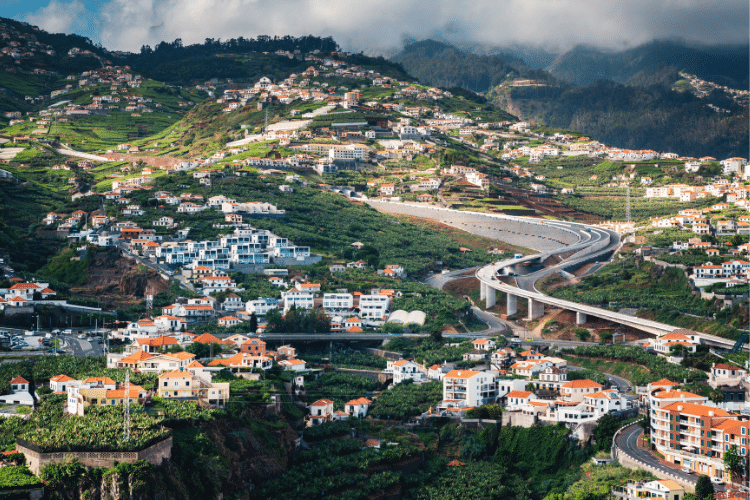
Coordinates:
[19,380]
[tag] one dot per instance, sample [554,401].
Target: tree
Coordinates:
[605,336]
[733,462]
[204,350]
[253,322]
[704,489]
[582,334]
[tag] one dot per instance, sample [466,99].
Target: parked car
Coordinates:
[717,480]
[686,470]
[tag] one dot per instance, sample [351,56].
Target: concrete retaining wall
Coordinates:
[633,463]
[518,419]
[154,454]
[379,376]
[393,356]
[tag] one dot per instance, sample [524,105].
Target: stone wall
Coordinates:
[154,454]
[518,419]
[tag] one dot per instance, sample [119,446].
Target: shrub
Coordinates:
[17,477]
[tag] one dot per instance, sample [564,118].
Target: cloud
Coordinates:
[65,17]
[381,24]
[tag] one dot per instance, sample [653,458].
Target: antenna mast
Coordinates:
[149,301]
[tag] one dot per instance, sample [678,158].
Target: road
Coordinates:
[81,348]
[623,385]
[628,443]
[494,324]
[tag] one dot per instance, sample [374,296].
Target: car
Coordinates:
[515,340]
[529,339]
[686,470]
[717,480]
[68,332]
[82,336]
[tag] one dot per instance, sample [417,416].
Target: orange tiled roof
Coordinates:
[579,384]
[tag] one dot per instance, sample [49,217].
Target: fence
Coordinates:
[36,460]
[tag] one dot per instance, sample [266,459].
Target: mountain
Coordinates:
[637,111]
[532,56]
[634,117]
[442,65]
[583,65]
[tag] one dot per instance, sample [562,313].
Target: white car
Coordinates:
[717,480]
[515,340]
[82,336]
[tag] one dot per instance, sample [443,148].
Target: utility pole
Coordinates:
[627,206]
[126,403]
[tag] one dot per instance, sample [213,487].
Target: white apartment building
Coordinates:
[335,303]
[468,388]
[243,246]
[261,305]
[297,298]
[373,309]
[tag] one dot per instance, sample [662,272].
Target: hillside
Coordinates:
[442,65]
[582,65]
[634,117]
[641,112]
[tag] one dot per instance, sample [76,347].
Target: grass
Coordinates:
[638,375]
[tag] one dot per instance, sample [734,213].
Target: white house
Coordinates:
[60,383]
[19,393]
[358,407]
[603,402]
[575,390]
[515,399]
[321,411]
[403,369]
[296,365]
[484,344]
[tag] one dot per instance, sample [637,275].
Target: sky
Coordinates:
[380,25]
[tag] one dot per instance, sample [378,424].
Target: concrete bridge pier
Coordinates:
[512,304]
[491,296]
[482,290]
[580,318]
[536,309]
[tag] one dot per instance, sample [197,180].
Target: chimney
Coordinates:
[679,408]
[711,413]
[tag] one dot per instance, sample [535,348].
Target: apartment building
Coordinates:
[468,388]
[575,390]
[190,386]
[697,436]
[244,246]
[373,309]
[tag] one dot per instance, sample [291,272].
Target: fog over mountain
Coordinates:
[381,25]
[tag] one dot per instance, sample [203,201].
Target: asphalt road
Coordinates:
[628,443]
[527,282]
[623,385]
